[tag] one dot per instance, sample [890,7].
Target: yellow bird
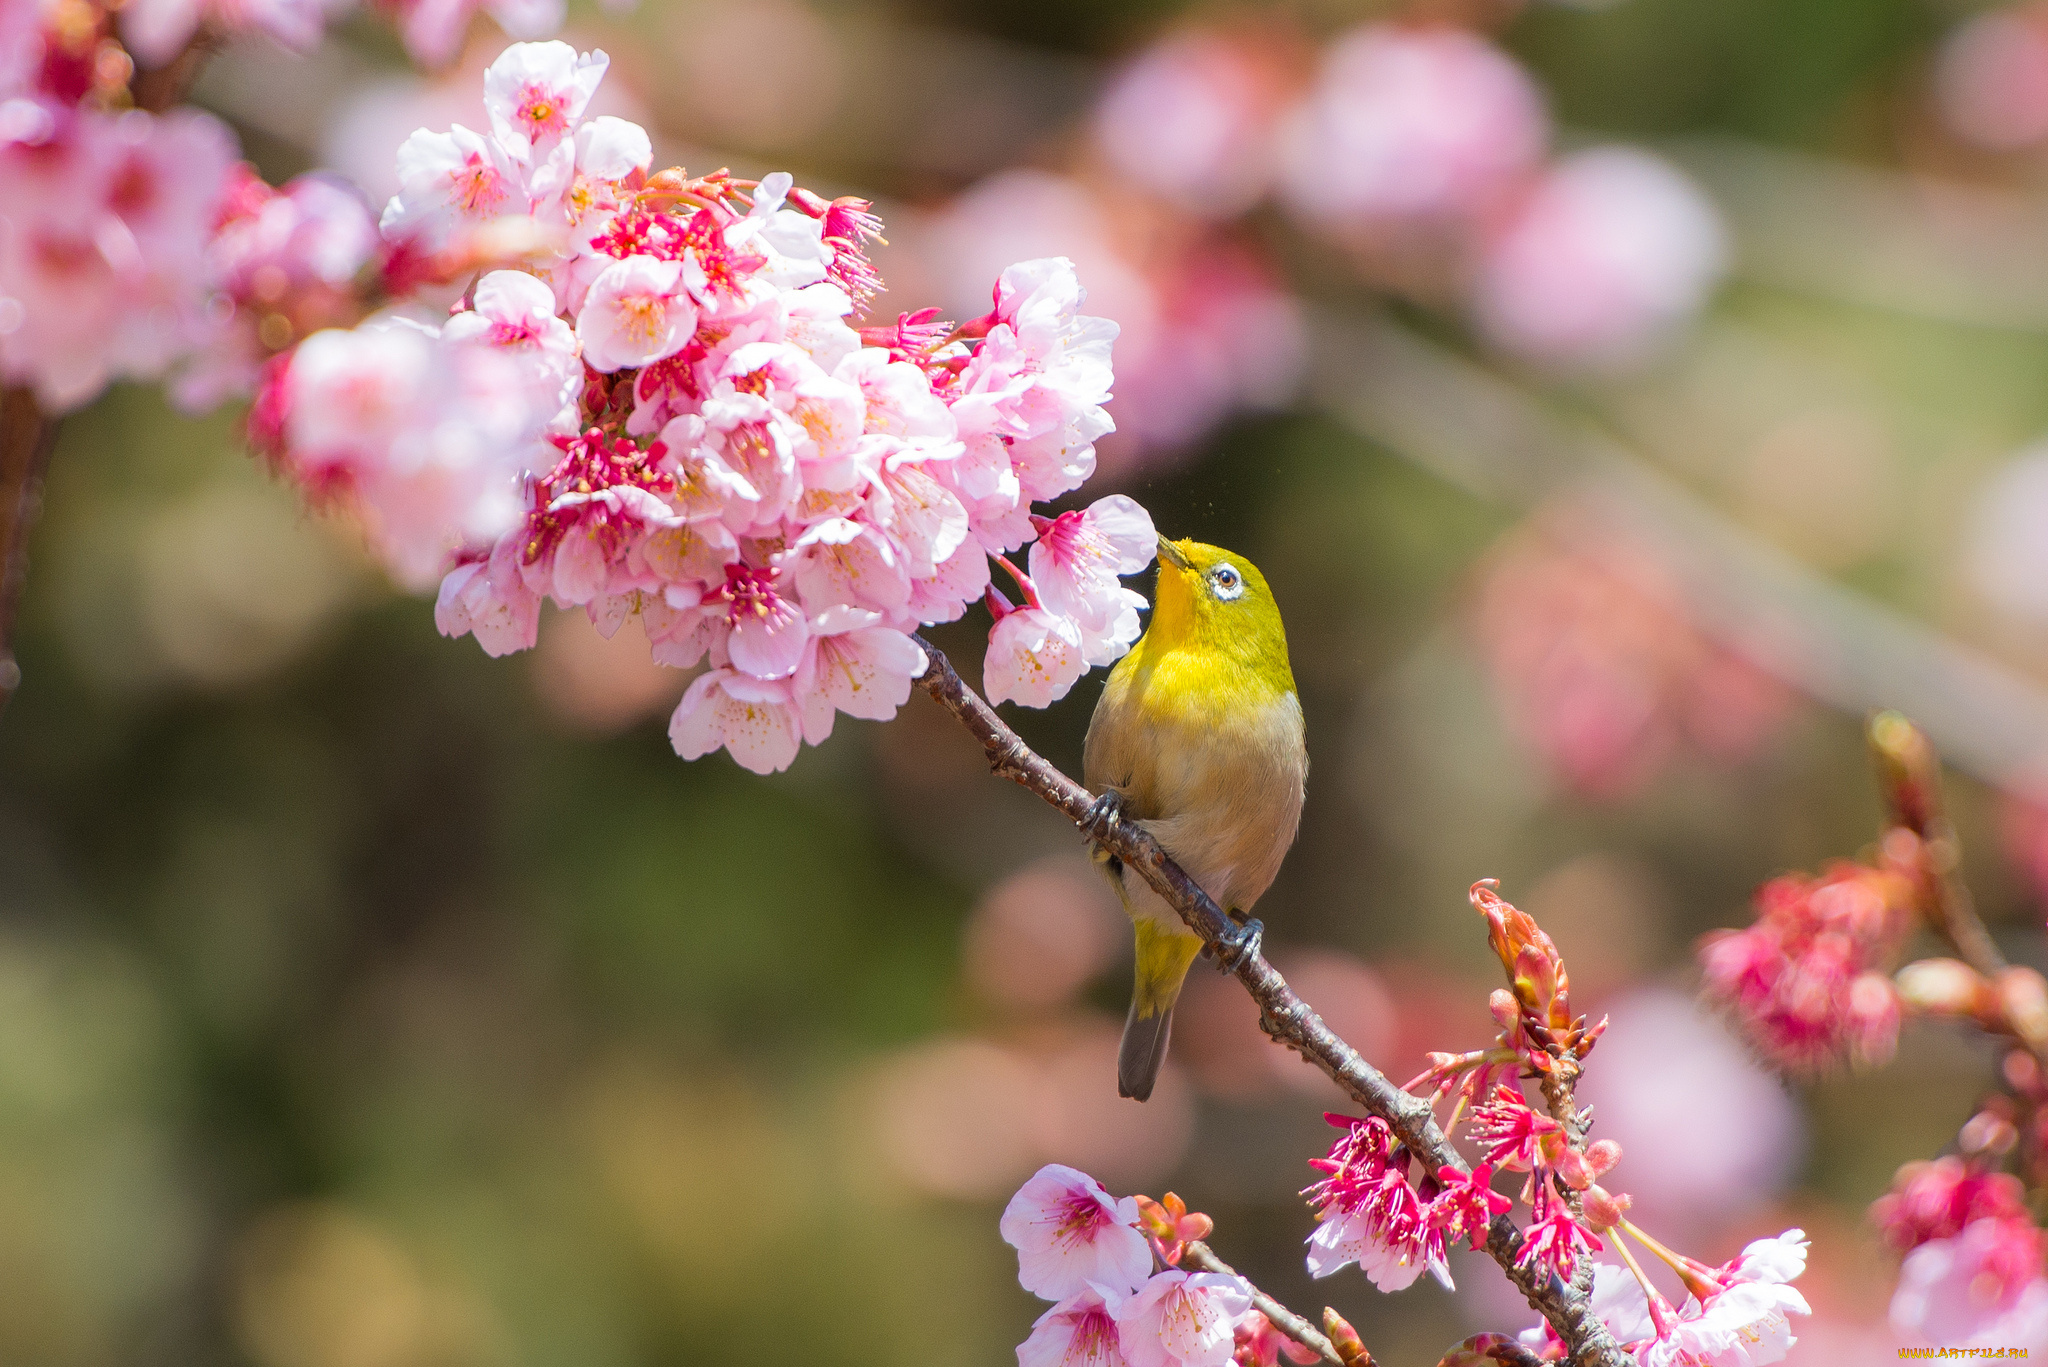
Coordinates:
[1199,739]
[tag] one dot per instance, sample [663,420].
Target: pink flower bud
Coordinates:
[1602,1154]
[1501,1003]
[1604,1209]
[1349,1346]
[1572,1166]
[1945,987]
[2023,995]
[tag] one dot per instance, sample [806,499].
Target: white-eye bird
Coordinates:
[1198,738]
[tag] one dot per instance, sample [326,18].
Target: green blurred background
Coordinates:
[365,1002]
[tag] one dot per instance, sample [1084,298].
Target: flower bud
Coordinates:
[1602,1154]
[1604,1209]
[1501,1003]
[1945,987]
[1575,1170]
[2023,997]
[1345,1339]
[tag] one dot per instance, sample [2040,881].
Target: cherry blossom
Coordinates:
[1181,1319]
[1071,1234]
[103,261]
[1260,1344]
[1369,1213]
[1078,1332]
[1410,123]
[1602,260]
[536,93]
[1980,1288]
[1078,560]
[1807,980]
[158,30]
[433,29]
[1192,119]
[755,719]
[1746,1325]
[855,665]
[1034,656]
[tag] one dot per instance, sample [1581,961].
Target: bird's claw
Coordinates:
[1104,815]
[1241,943]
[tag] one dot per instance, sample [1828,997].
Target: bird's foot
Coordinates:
[1105,814]
[1239,944]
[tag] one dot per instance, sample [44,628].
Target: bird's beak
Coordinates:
[1171,554]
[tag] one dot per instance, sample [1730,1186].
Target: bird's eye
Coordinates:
[1229,583]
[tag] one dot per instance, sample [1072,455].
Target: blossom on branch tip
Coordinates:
[1556,1237]
[1071,1234]
[1369,1214]
[1181,1319]
[1078,1332]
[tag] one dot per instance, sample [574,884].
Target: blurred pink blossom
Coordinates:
[1991,78]
[1606,256]
[1409,124]
[1709,1134]
[1037,936]
[1809,981]
[1597,663]
[157,30]
[103,254]
[1981,1288]
[1191,120]
[1205,325]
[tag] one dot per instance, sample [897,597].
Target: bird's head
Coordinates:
[1212,599]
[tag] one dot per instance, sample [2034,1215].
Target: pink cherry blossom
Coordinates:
[1071,1234]
[103,256]
[288,261]
[158,30]
[1181,1319]
[1800,979]
[1748,1325]
[1260,1344]
[756,720]
[536,93]
[853,664]
[1192,119]
[433,29]
[1611,253]
[1368,1212]
[1941,1198]
[1078,559]
[489,599]
[450,182]
[637,311]
[1408,123]
[1619,1303]
[1980,1288]
[1556,1238]
[1078,1332]
[1034,657]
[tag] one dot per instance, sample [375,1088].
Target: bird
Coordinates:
[1199,739]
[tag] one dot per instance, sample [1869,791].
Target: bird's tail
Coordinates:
[1163,959]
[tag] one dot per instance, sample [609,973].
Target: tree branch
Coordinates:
[1282,1014]
[1195,1253]
[26,436]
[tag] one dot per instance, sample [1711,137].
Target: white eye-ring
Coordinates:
[1229,583]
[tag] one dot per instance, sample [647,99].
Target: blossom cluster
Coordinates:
[1973,1271]
[1085,1250]
[1808,981]
[653,403]
[1424,149]
[110,212]
[135,246]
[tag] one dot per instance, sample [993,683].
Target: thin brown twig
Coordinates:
[1198,1254]
[1282,1014]
[1909,775]
[26,436]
